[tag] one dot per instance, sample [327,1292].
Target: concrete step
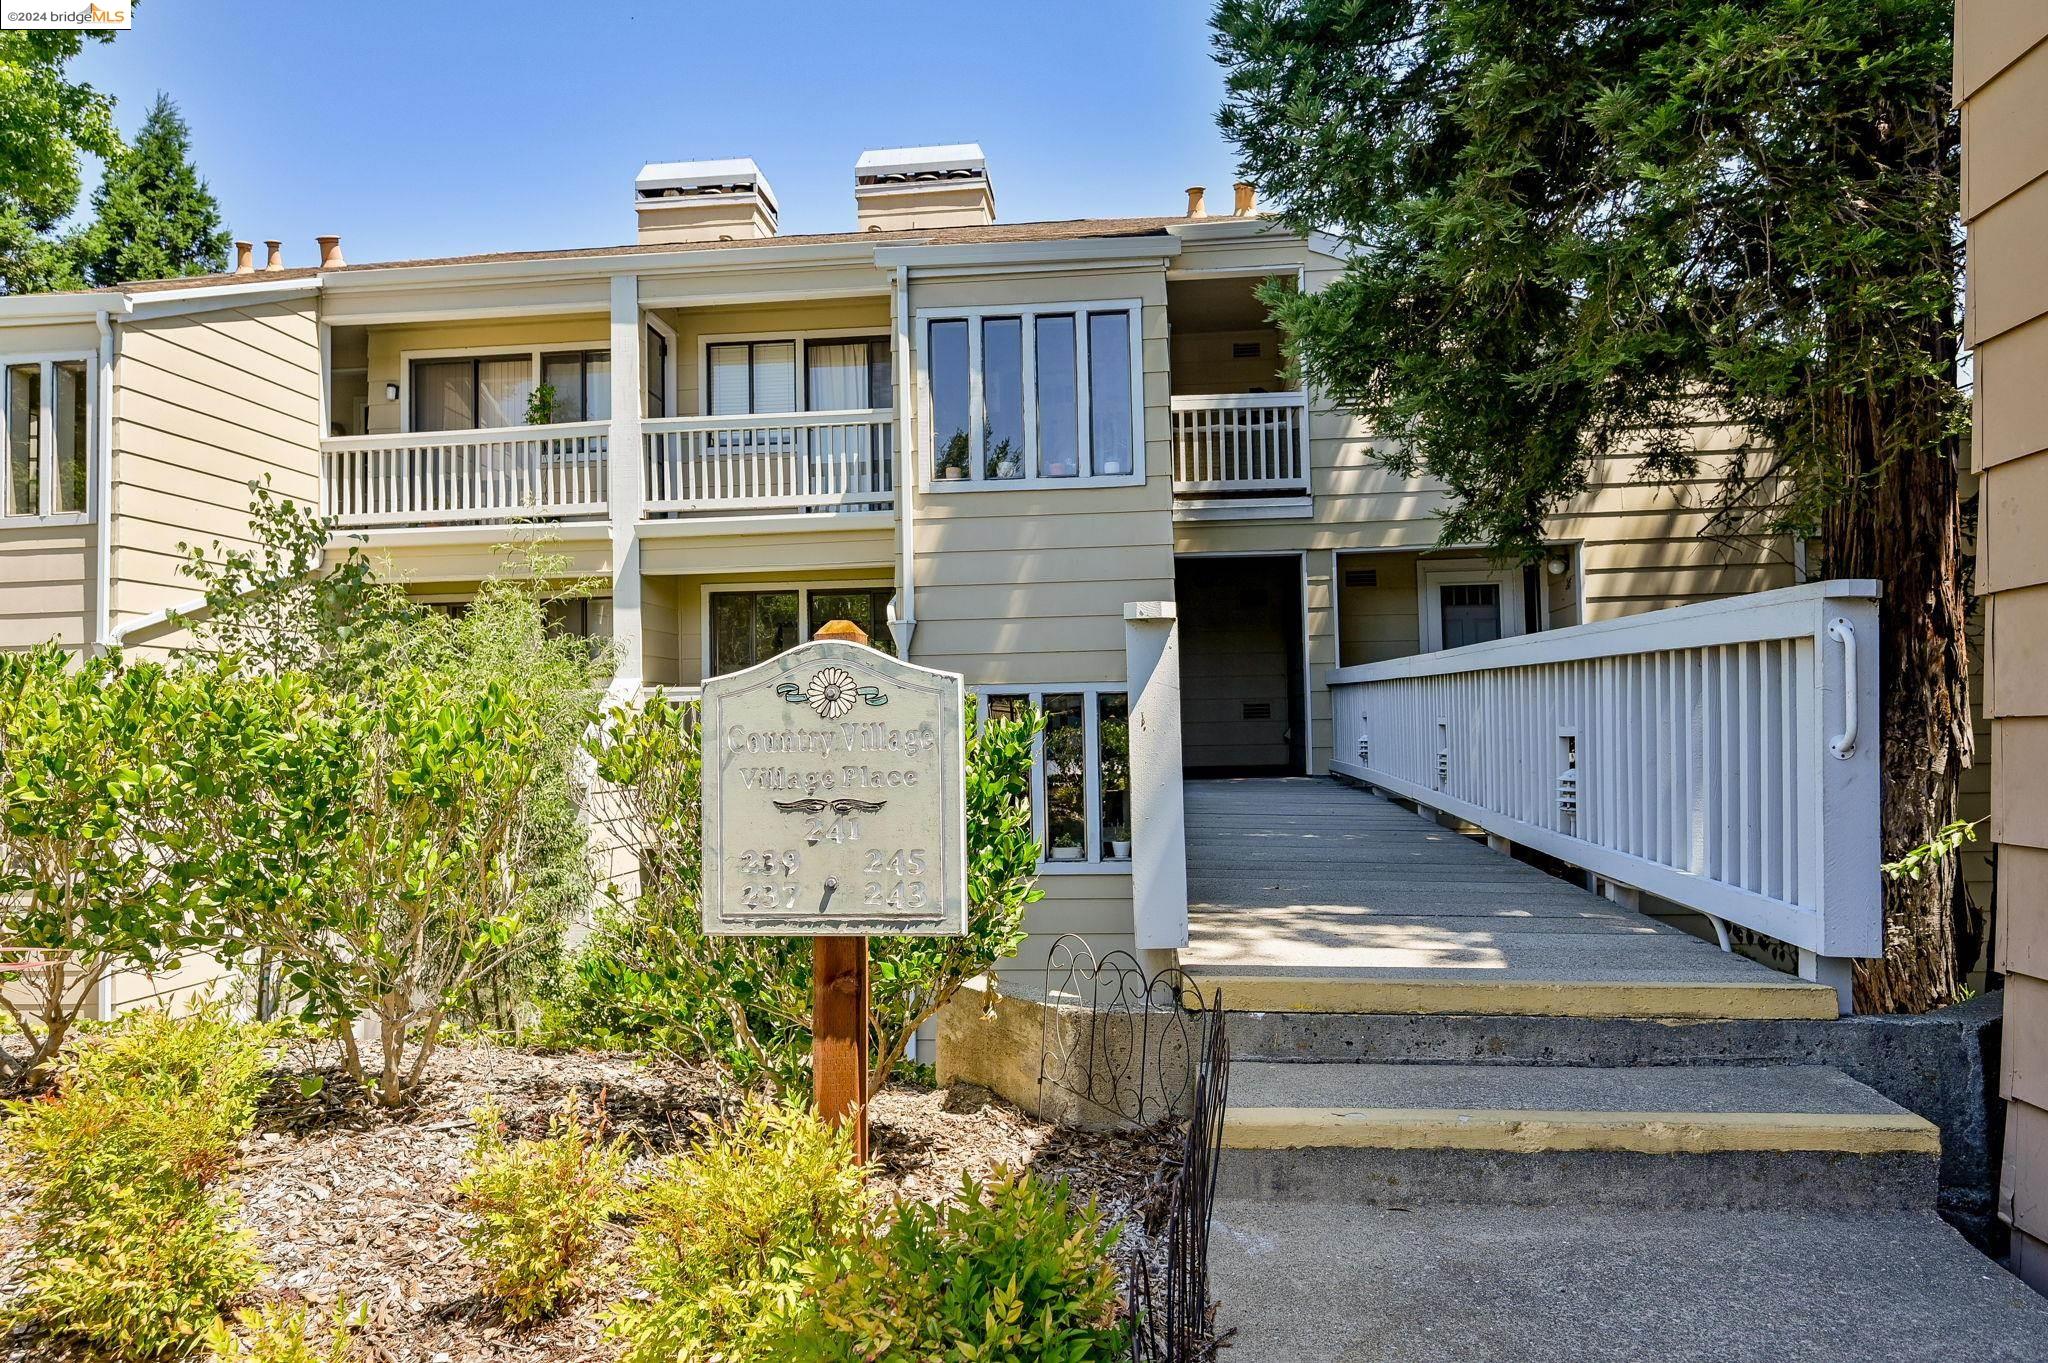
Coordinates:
[1345,1284]
[1563,976]
[1738,1138]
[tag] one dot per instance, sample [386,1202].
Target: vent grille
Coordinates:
[1258,709]
[1246,350]
[1361,577]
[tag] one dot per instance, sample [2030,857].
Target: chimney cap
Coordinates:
[933,160]
[730,172]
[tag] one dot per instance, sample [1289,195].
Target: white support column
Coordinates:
[1159,831]
[627,461]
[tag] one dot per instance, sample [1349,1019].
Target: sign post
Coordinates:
[834,808]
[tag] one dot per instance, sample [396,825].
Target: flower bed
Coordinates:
[347,1201]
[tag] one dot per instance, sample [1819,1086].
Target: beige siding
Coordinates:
[208,402]
[426,566]
[46,585]
[2002,77]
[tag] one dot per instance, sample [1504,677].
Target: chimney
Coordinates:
[896,188]
[330,253]
[1198,202]
[1247,200]
[276,249]
[245,258]
[690,201]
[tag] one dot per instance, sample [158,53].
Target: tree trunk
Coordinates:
[1901,523]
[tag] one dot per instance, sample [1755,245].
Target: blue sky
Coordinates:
[451,126]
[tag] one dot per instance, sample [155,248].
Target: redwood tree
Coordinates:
[1578,223]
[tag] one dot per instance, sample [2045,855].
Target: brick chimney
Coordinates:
[903,187]
[693,201]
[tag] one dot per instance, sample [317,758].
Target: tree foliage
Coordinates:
[115,783]
[153,217]
[46,120]
[1578,229]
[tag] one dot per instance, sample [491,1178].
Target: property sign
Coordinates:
[834,800]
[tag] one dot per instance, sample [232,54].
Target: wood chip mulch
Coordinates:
[348,1203]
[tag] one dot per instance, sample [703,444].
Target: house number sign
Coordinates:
[833,797]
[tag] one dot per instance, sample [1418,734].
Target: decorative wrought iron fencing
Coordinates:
[1143,1050]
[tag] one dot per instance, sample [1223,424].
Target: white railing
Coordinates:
[446,477]
[1240,442]
[1722,756]
[798,461]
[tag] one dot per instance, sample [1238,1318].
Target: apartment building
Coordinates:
[1065,459]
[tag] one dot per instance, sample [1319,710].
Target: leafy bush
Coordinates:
[1012,1272]
[131,1239]
[540,1208]
[277,1333]
[649,975]
[736,1236]
[114,781]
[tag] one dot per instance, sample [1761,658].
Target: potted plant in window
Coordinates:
[953,458]
[1120,841]
[542,404]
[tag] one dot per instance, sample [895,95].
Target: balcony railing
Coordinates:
[1723,756]
[800,461]
[460,477]
[1240,442]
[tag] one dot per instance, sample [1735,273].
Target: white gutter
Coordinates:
[904,626]
[103,490]
[143,624]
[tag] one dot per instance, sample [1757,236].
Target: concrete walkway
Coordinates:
[1306,1283]
[1306,894]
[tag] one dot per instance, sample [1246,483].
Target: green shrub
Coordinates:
[277,1333]
[1012,1272]
[132,1246]
[540,1208]
[650,977]
[735,1238]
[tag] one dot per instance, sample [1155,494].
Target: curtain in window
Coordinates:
[838,375]
[502,389]
[443,395]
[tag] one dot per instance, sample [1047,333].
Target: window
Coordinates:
[867,607]
[1046,394]
[655,368]
[48,438]
[1471,612]
[471,393]
[751,626]
[582,380]
[750,378]
[1081,783]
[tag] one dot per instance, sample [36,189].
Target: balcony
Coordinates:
[810,461]
[803,462]
[554,473]
[1249,448]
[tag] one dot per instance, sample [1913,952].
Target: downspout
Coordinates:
[103,492]
[904,623]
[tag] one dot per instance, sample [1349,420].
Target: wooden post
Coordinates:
[839,1003]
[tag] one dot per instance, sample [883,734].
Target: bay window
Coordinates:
[1047,394]
[45,408]
[1080,780]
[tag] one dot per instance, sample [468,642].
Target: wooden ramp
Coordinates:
[1309,895]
